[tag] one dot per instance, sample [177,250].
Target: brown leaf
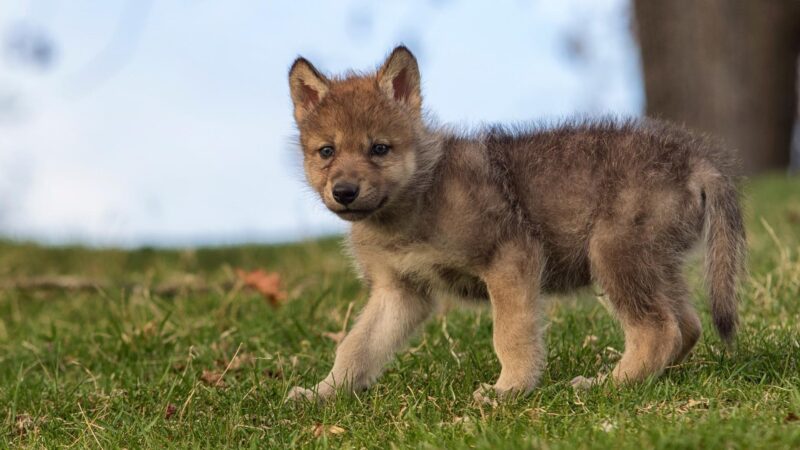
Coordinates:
[607,426]
[268,284]
[692,404]
[321,429]
[791,417]
[703,403]
[23,423]
[170,411]
[212,378]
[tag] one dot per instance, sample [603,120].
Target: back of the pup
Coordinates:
[630,200]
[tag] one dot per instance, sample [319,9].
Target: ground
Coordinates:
[135,363]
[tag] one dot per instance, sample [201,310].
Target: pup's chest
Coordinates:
[437,272]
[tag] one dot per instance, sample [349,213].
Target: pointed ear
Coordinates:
[399,78]
[308,86]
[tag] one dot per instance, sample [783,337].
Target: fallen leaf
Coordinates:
[607,426]
[170,411]
[692,404]
[212,378]
[321,429]
[333,429]
[23,423]
[335,337]
[268,284]
[647,408]
[791,417]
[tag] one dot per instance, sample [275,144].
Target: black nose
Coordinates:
[345,193]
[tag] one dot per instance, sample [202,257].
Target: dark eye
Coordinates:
[379,149]
[326,152]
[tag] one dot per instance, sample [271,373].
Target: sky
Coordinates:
[170,124]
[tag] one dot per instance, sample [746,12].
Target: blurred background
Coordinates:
[135,122]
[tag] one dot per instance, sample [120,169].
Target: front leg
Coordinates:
[394,310]
[513,279]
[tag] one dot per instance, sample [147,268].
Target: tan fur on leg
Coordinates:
[645,290]
[513,280]
[391,315]
[649,348]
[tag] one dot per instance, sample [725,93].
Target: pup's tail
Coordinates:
[725,252]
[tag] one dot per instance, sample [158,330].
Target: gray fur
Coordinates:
[511,214]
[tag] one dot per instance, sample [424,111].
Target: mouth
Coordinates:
[353,214]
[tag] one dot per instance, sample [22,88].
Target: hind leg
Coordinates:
[690,327]
[650,345]
[634,275]
[688,321]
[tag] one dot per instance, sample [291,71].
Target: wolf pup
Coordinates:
[507,215]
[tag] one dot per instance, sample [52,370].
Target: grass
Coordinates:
[123,367]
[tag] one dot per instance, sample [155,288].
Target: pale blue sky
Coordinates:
[171,125]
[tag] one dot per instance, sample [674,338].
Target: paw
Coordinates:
[583,383]
[491,395]
[301,394]
[485,395]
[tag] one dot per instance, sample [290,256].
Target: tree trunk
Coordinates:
[726,67]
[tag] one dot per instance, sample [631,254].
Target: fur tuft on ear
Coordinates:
[308,86]
[399,78]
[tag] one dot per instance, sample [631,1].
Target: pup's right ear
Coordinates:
[308,86]
[399,78]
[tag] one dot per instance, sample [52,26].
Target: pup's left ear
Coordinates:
[399,78]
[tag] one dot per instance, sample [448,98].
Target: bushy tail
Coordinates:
[725,253]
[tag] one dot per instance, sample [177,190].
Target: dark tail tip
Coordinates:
[726,327]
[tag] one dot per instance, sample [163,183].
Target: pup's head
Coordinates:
[359,134]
